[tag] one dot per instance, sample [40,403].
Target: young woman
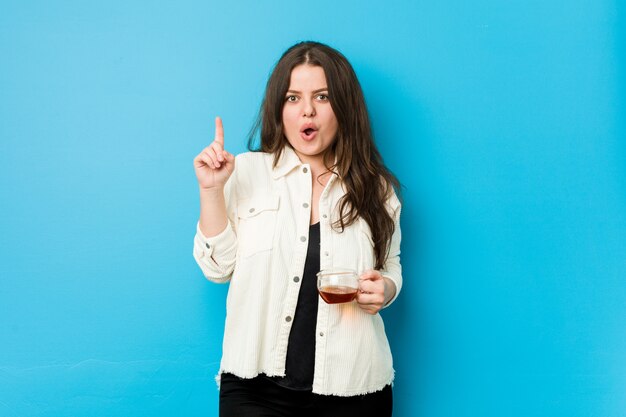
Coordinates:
[314,196]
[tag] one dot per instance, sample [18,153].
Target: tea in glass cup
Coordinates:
[337,285]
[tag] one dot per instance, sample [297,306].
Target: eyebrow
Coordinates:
[314,91]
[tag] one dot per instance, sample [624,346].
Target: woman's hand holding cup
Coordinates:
[370,290]
[371,294]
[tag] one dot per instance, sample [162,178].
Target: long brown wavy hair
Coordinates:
[367,181]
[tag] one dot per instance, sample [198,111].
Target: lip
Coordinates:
[308,137]
[311,135]
[308,126]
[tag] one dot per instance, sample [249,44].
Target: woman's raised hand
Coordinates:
[214,165]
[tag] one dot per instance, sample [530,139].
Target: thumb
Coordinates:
[228,156]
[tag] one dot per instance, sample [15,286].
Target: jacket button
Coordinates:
[251,210]
[303,238]
[305,205]
[288,319]
[207,246]
[296,279]
[305,170]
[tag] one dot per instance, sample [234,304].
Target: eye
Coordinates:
[291,99]
[322,97]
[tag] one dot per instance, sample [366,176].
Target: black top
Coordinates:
[301,347]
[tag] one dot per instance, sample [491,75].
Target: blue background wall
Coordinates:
[504,120]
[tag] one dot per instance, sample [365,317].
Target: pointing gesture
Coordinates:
[219,131]
[214,165]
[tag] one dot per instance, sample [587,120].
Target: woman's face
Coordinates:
[309,123]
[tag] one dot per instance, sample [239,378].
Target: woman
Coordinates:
[315,196]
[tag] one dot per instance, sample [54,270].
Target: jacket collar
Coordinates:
[286,163]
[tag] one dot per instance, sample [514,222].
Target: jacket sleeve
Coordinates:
[392,268]
[216,255]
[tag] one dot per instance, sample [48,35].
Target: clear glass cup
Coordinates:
[337,285]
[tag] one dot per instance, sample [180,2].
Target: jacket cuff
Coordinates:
[397,283]
[215,247]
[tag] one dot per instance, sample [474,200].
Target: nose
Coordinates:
[309,109]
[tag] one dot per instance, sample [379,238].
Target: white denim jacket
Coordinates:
[262,253]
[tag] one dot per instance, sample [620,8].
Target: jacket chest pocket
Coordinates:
[257,222]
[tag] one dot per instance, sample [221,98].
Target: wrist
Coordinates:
[390,290]
[211,192]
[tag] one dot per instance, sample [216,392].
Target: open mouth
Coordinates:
[308,131]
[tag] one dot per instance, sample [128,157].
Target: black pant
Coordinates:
[261,397]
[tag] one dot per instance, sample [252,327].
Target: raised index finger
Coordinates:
[219,131]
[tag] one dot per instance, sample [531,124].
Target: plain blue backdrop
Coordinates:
[503,120]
